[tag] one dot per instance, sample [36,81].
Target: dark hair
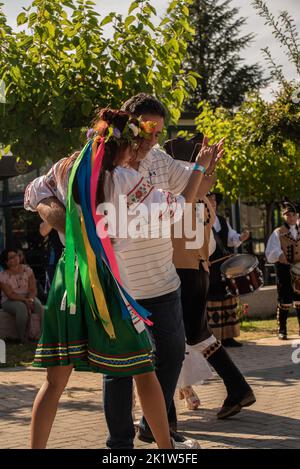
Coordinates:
[4,255]
[113,149]
[144,103]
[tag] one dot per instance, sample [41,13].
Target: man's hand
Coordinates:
[210,155]
[219,151]
[244,235]
[52,211]
[282,259]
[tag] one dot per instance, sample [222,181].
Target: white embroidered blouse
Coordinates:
[145,262]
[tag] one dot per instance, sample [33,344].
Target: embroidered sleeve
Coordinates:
[44,187]
[139,193]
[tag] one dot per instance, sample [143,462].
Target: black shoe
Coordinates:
[233,406]
[147,437]
[231,343]
[282,336]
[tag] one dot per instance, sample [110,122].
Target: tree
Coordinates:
[215,53]
[284,29]
[60,67]
[261,163]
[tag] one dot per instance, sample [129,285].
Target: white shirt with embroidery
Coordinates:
[273,249]
[145,264]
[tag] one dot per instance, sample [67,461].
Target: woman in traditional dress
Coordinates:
[91,322]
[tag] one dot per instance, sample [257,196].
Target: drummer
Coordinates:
[283,249]
[221,309]
[193,269]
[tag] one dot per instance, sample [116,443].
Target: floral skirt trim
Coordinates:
[86,359]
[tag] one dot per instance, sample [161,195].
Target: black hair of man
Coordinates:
[144,103]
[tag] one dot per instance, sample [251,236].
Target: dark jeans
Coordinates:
[169,339]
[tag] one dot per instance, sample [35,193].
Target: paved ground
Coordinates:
[273,422]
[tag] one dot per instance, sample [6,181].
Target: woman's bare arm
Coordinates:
[52,211]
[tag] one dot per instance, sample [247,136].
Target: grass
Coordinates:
[258,328]
[18,354]
[22,355]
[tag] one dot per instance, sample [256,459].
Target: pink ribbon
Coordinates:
[106,243]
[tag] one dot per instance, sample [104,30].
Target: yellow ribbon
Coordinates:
[96,285]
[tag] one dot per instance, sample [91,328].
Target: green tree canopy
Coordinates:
[215,53]
[59,67]
[261,162]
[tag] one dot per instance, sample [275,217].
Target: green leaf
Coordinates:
[27,42]
[6,149]
[166,20]
[107,19]
[185,10]
[129,20]
[21,19]
[179,96]
[176,114]
[15,72]
[32,19]
[192,81]
[173,44]
[51,29]
[149,61]
[132,7]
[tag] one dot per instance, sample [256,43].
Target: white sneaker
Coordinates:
[186,444]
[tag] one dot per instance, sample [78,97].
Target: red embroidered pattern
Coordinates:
[139,192]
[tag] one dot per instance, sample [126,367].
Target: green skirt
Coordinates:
[81,340]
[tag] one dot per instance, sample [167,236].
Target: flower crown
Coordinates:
[134,128]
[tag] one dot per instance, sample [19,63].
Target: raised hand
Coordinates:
[205,154]
[218,153]
[210,155]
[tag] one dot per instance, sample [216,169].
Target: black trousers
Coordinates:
[286,294]
[194,290]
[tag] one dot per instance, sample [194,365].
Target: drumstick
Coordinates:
[221,259]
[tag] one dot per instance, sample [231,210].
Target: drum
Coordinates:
[295,277]
[241,275]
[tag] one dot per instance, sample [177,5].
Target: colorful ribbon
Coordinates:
[98,267]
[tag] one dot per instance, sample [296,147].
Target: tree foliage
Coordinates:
[261,162]
[60,66]
[284,29]
[215,53]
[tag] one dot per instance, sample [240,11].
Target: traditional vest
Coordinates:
[221,238]
[289,245]
[184,258]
